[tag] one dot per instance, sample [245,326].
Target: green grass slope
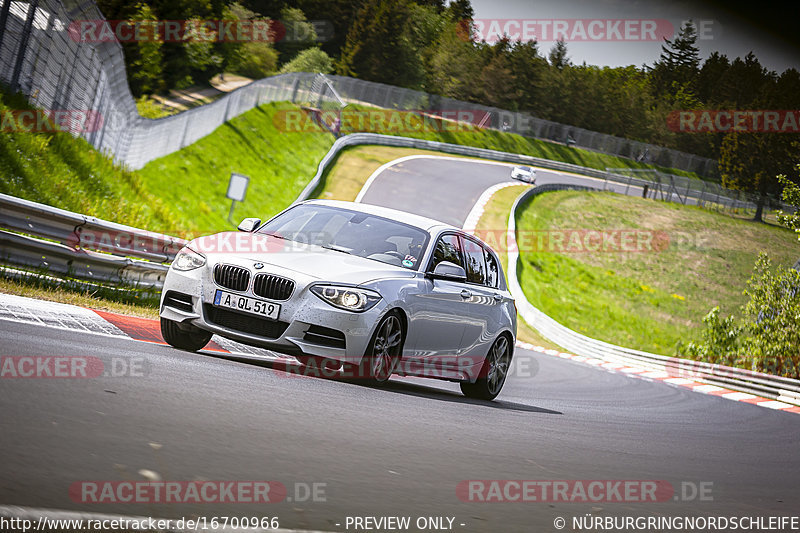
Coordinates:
[194,180]
[57,169]
[648,300]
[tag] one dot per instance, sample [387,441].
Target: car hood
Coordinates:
[310,260]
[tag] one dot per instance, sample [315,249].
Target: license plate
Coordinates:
[245,304]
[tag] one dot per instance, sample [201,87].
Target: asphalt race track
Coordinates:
[398,451]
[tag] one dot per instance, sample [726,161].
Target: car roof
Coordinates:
[419,221]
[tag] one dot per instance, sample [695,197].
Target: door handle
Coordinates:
[498,298]
[466,294]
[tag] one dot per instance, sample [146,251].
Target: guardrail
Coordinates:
[137,256]
[775,387]
[75,243]
[55,258]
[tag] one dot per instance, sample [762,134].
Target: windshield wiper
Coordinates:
[276,236]
[337,249]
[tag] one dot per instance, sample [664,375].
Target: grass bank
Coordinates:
[649,299]
[52,167]
[182,193]
[194,180]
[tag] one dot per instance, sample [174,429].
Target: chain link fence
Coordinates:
[386,96]
[680,189]
[42,58]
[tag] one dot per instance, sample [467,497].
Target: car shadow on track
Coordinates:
[414,389]
[395,386]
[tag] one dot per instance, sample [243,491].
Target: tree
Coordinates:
[708,79]
[497,80]
[258,60]
[528,68]
[455,65]
[791,196]
[679,63]
[146,64]
[749,161]
[254,59]
[200,51]
[337,16]
[437,5]
[297,34]
[378,47]
[743,82]
[190,61]
[460,10]
[558,55]
[426,26]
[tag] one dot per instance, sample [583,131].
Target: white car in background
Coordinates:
[350,286]
[523,173]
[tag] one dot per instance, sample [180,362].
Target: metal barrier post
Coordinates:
[4,19]
[23,44]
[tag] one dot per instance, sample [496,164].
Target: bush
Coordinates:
[150,108]
[255,60]
[767,336]
[309,60]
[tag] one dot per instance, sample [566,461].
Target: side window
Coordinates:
[492,270]
[476,263]
[447,249]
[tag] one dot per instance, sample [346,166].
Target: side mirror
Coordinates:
[249,224]
[448,271]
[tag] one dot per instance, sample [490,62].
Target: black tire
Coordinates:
[493,372]
[185,337]
[383,352]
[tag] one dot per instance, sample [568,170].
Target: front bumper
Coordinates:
[306,324]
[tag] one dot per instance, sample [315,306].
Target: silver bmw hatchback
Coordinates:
[352,287]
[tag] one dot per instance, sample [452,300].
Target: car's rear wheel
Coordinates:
[384,351]
[493,372]
[184,337]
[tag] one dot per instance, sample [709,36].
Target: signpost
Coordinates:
[237,187]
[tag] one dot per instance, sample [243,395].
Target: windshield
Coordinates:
[351,232]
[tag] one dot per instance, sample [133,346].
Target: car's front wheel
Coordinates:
[184,337]
[493,372]
[384,351]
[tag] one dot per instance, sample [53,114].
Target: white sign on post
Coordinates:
[237,187]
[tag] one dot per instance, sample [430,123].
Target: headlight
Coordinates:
[188,259]
[348,298]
